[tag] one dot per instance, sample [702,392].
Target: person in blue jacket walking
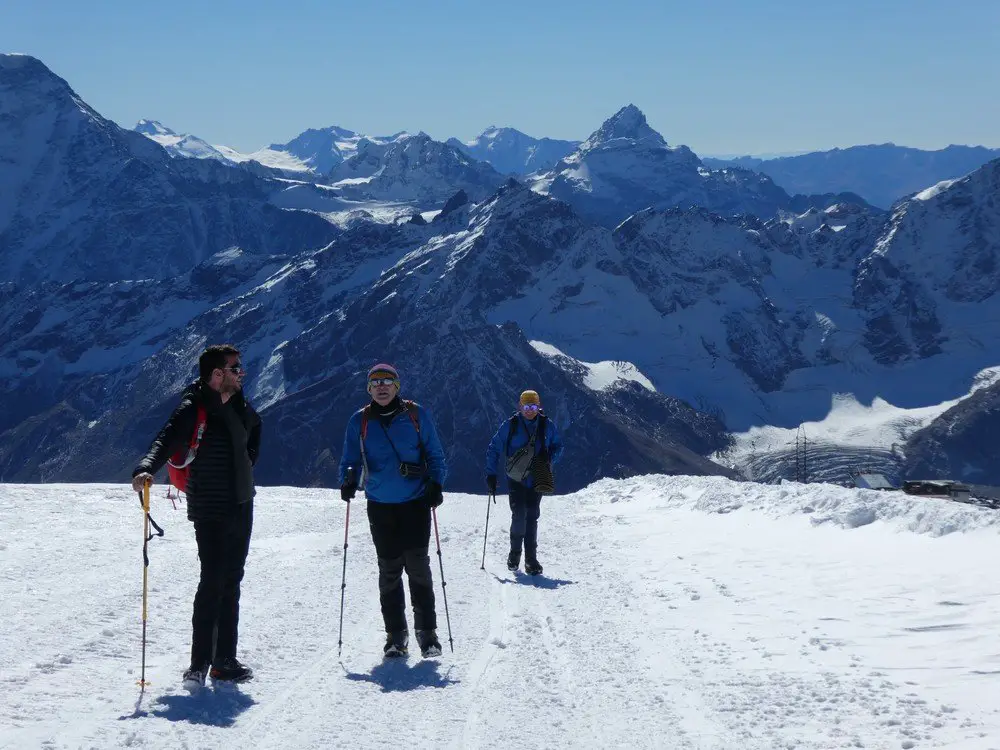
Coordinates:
[392,450]
[530,445]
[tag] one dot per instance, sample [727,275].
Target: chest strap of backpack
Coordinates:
[538,434]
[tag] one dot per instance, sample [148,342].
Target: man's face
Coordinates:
[530,411]
[383,390]
[231,378]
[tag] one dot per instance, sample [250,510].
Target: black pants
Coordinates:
[525,508]
[222,549]
[402,534]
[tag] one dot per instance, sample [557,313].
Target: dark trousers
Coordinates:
[525,508]
[222,549]
[402,534]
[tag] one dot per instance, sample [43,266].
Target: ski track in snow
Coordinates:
[668,617]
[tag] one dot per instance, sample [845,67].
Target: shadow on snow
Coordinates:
[539,581]
[396,675]
[216,706]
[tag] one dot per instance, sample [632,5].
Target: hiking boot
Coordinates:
[396,644]
[429,643]
[532,567]
[513,560]
[230,670]
[194,677]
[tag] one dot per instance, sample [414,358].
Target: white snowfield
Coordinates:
[674,612]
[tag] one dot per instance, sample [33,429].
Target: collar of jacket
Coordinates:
[388,411]
[211,398]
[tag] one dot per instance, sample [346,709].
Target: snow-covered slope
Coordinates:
[694,614]
[310,155]
[83,199]
[942,440]
[324,148]
[177,144]
[192,147]
[510,151]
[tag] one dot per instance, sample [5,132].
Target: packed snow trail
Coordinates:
[674,612]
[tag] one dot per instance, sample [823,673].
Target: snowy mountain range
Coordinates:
[310,155]
[882,174]
[647,340]
[509,151]
[625,166]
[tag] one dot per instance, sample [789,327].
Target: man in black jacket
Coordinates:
[220,493]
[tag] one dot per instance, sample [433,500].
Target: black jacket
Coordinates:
[221,475]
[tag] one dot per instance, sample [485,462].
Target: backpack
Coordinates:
[179,464]
[519,466]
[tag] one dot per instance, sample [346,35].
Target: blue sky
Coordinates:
[722,76]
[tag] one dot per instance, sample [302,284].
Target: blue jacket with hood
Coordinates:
[384,483]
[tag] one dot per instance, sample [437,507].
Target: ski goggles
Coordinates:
[382,381]
[530,408]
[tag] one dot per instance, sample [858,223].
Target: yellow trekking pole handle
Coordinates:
[145,576]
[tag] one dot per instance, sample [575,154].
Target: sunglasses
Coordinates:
[530,407]
[235,369]
[381,381]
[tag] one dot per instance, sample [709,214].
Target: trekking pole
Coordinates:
[144,498]
[343,580]
[487,532]
[444,586]
[343,574]
[147,521]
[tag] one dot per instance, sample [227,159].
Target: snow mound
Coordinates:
[822,503]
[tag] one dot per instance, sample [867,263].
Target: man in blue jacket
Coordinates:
[392,450]
[530,445]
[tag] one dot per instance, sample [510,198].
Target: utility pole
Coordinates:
[801,456]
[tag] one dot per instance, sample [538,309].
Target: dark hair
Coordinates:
[214,357]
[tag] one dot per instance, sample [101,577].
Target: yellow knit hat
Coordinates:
[529,397]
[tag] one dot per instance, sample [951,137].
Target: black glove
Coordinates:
[491,483]
[433,495]
[347,491]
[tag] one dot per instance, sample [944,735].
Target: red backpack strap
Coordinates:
[181,460]
[364,423]
[414,414]
[199,427]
